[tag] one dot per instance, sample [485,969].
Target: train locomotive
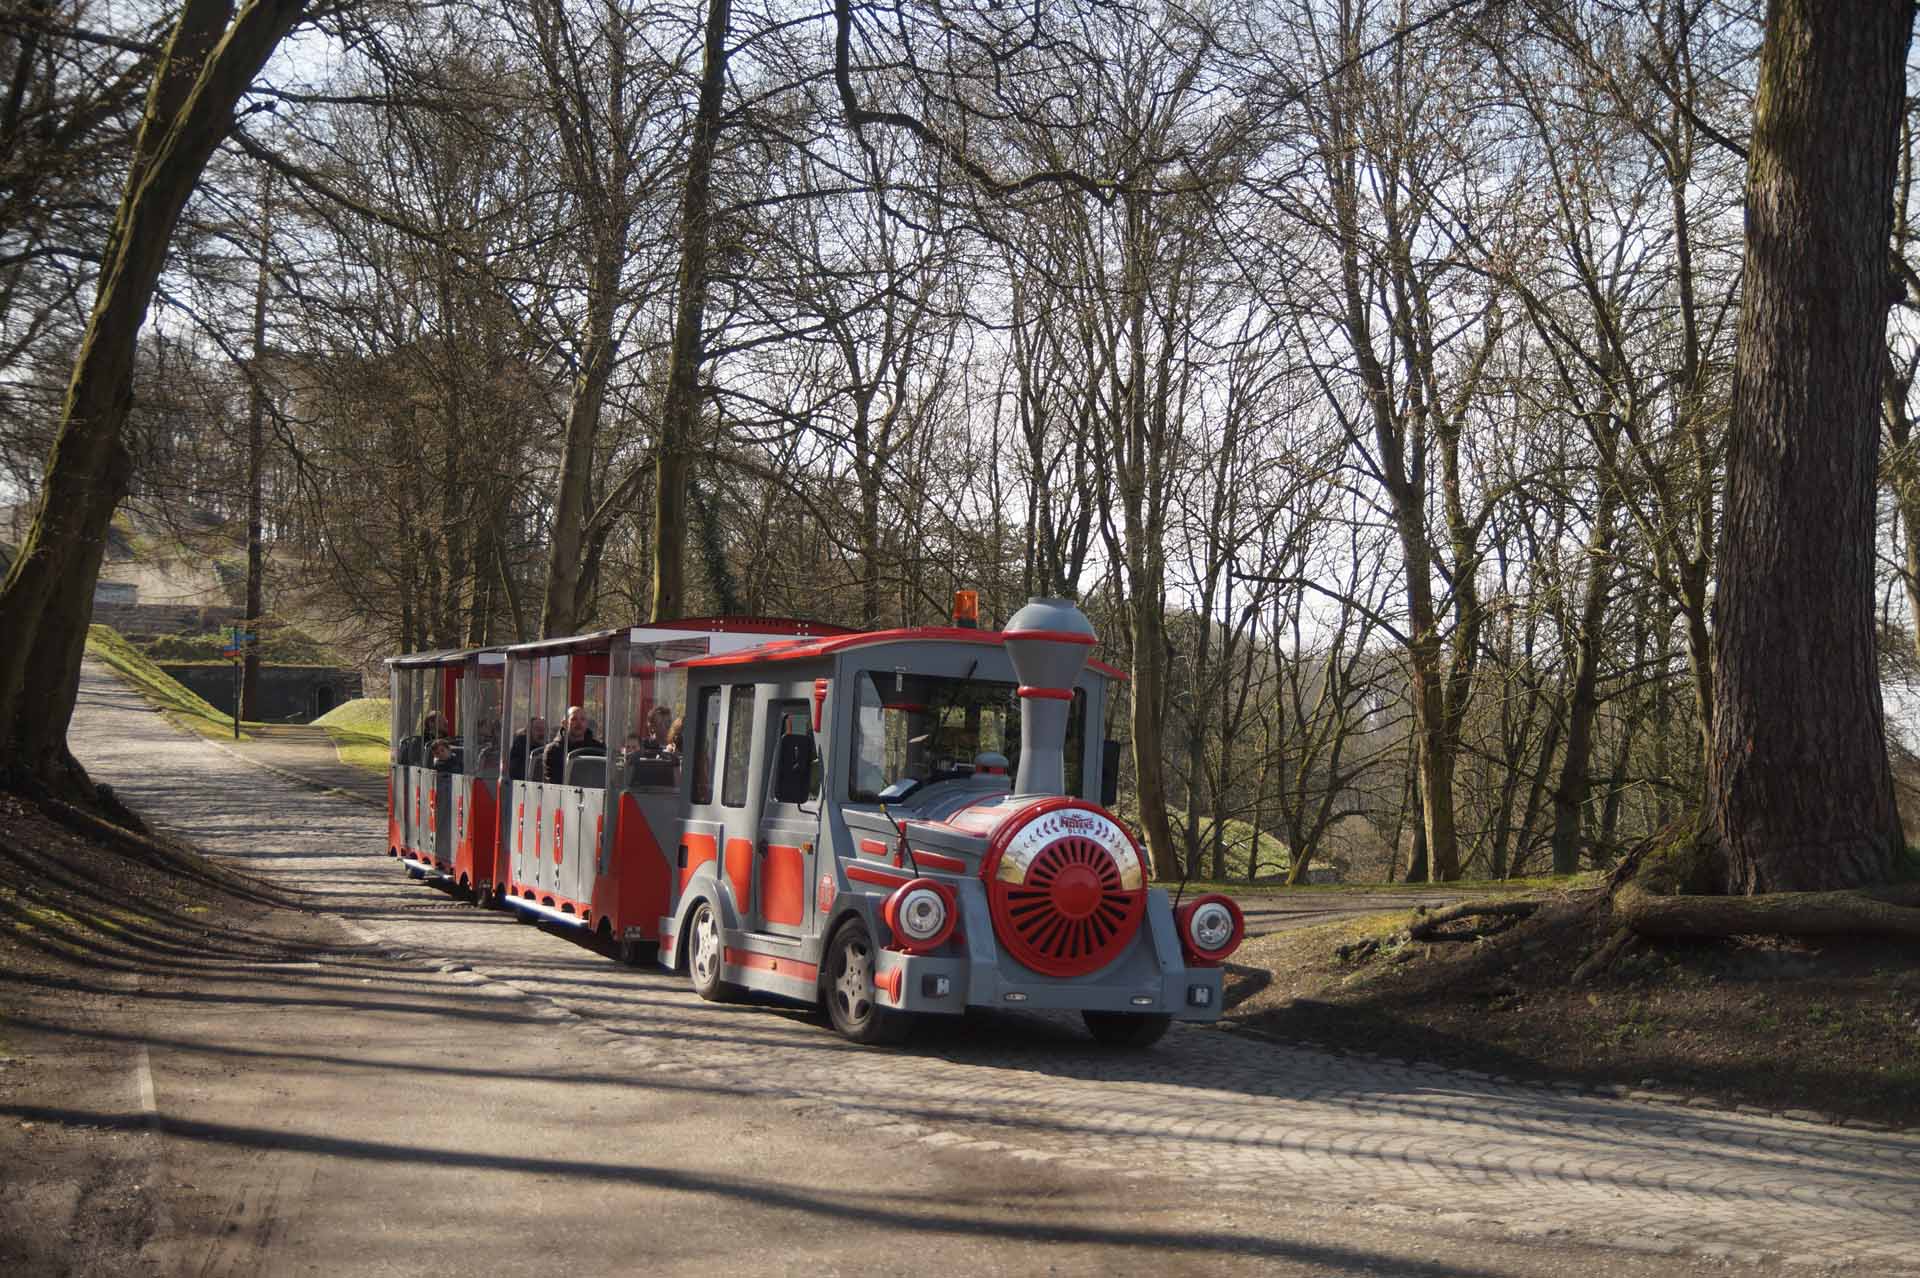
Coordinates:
[891,823]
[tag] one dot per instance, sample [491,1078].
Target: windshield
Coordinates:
[909,729]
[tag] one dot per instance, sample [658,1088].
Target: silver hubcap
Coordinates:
[853,987]
[706,946]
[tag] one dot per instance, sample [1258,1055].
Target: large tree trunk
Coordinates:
[1798,787]
[1570,795]
[48,593]
[680,420]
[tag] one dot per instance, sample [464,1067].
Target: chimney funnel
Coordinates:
[1048,641]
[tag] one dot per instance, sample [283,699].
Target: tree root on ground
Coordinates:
[1498,916]
[1884,912]
[1504,914]
[1603,958]
[1665,890]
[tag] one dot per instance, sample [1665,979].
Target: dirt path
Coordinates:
[1267,913]
[464,1091]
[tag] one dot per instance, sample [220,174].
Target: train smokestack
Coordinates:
[1048,640]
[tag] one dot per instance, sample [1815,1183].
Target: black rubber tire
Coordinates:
[1127,1029]
[704,956]
[847,989]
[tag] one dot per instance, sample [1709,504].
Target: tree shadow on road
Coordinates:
[947,1215]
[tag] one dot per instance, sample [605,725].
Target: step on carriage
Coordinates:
[892,823]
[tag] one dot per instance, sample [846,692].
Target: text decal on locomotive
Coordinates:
[1096,827]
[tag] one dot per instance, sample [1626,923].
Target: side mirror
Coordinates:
[793,768]
[1109,773]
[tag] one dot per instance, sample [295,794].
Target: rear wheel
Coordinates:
[704,955]
[1127,1029]
[852,1003]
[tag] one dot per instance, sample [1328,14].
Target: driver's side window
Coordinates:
[869,776]
[791,719]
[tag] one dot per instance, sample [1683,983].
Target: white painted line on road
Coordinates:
[143,1074]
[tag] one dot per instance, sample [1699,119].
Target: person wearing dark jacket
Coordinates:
[577,735]
[535,733]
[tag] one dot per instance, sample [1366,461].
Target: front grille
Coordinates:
[1070,915]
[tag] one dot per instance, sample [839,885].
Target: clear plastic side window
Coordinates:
[485,688]
[790,719]
[739,747]
[706,745]
[650,753]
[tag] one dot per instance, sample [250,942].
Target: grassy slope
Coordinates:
[156,685]
[280,646]
[359,732]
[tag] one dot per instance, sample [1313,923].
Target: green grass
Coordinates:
[359,730]
[279,645]
[156,685]
[367,716]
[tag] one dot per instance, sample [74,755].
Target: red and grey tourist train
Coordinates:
[892,823]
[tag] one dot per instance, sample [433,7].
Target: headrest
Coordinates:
[589,770]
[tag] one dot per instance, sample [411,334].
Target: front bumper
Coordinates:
[1151,977]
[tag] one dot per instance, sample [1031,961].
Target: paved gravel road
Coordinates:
[1445,1149]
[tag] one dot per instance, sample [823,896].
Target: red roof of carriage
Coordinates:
[808,649]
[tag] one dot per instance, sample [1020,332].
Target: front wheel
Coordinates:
[704,955]
[1127,1029]
[852,1003]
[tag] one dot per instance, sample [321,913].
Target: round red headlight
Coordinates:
[1210,928]
[921,915]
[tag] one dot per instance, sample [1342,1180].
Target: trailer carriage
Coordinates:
[441,814]
[891,823]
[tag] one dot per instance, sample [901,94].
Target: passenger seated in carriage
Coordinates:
[444,755]
[413,749]
[577,736]
[660,727]
[532,738]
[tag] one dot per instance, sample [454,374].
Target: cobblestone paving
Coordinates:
[1468,1152]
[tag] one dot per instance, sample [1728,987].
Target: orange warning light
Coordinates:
[966,609]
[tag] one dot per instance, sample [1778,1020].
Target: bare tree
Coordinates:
[212,56]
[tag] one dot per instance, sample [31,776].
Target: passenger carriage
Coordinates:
[442,814]
[590,847]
